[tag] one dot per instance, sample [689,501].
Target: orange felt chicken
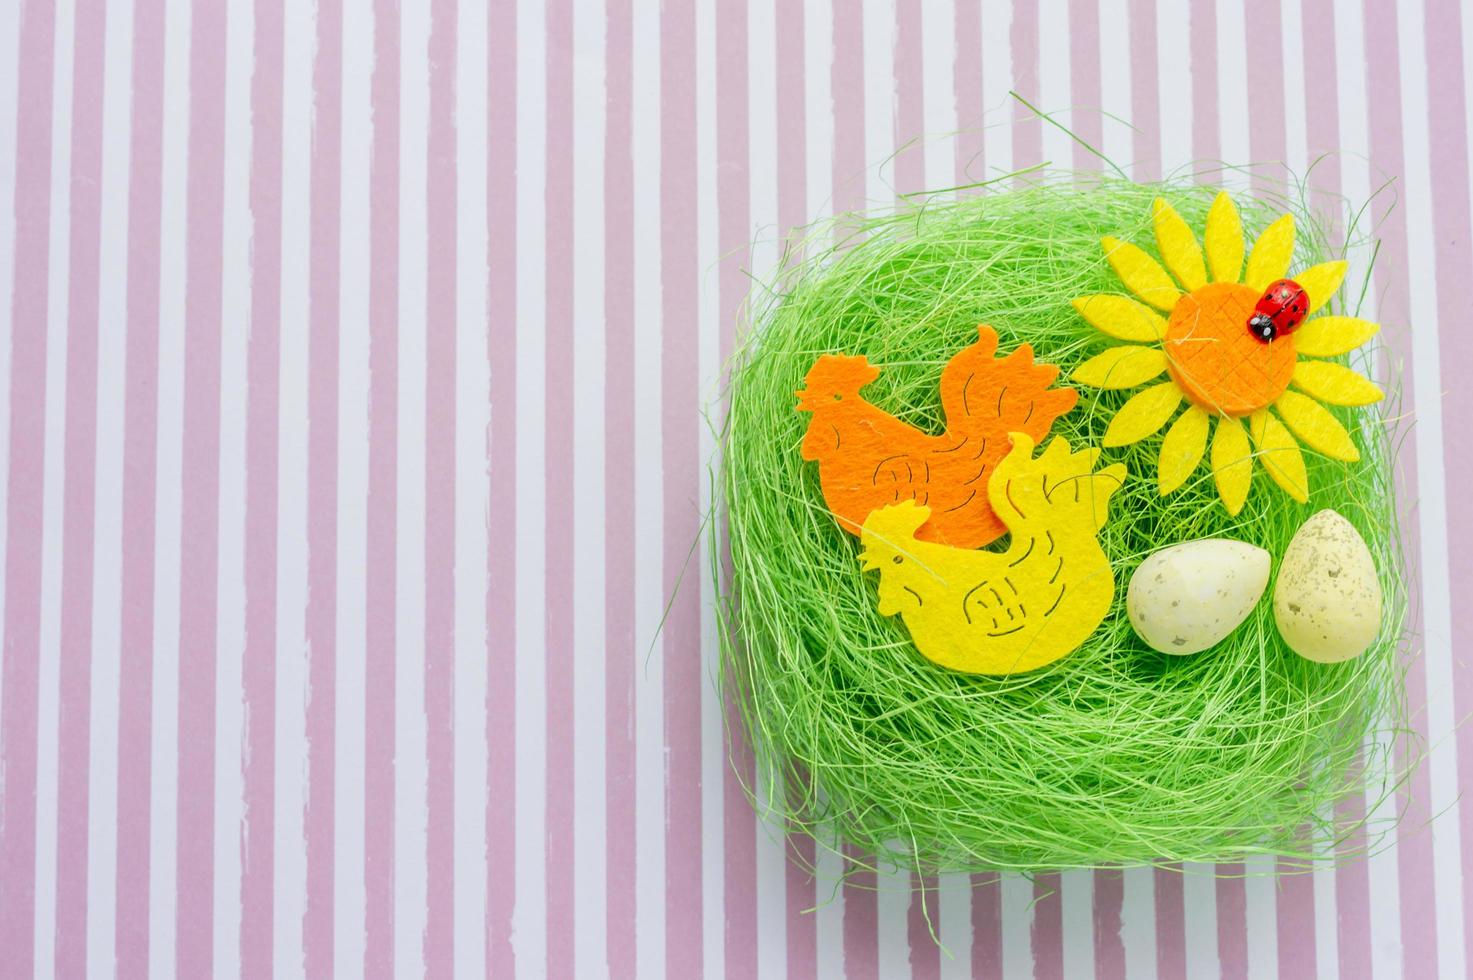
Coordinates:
[868,459]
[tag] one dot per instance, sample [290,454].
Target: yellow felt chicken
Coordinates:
[987,612]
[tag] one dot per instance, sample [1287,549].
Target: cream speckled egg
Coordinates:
[1327,601]
[1188,597]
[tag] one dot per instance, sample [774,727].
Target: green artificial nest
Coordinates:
[1114,755]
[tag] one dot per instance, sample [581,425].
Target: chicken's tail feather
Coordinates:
[982,392]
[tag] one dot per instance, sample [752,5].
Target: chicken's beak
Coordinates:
[803,404]
[868,562]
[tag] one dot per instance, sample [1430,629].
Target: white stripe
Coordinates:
[1296,133]
[102,795]
[232,833]
[349,888]
[1016,893]
[828,896]
[290,872]
[590,822]
[1432,504]
[892,907]
[529,937]
[1199,920]
[1232,81]
[1115,82]
[879,107]
[997,80]
[168,531]
[1138,922]
[818,112]
[1174,91]
[472,491]
[411,736]
[763,108]
[649,501]
[939,58]
[1077,900]
[1261,890]
[818,57]
[955,925]
[52,487]
[1054,76]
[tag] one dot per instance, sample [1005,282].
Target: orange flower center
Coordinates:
[1214,358]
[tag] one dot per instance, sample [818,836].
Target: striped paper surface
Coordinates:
[353,364]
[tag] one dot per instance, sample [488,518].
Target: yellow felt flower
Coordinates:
[1225,373]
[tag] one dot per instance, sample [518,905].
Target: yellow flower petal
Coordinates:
[1143,415]
[1141,274]
[1270,257]
[1321,281]
[1326,336]
[1224,239]
[1279,454]
[1316,427]
[1182,448]
[1178,246]
[1122,317]
[1232,463]
[1121,367]
[1335,384]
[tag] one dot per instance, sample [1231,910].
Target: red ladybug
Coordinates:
[1280,309]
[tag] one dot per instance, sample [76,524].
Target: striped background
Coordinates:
[352,364]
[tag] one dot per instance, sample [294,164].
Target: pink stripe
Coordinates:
[1266,137]
[440,427]
[1171,932]
[1414,857]
[1145,83]
[849,160]
[501,201]
[792,213]
[561,426]
[1109,898]
[679,431]
[198,602]
[986,926]
[861,918]
[140,442]
[1027,128]
[1206,136]
[923,917]
[1088,122]
[23,496]
[967,90]
[1448,129]
[79,491]
[1295,923]
[1046,939]
[734,228]
[263,400]
[847,85]
[381,586]
[619,484]
[1232,922]
[910,101]
[320,820]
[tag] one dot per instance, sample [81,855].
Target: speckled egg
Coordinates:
[1327,600]
[1190,596]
